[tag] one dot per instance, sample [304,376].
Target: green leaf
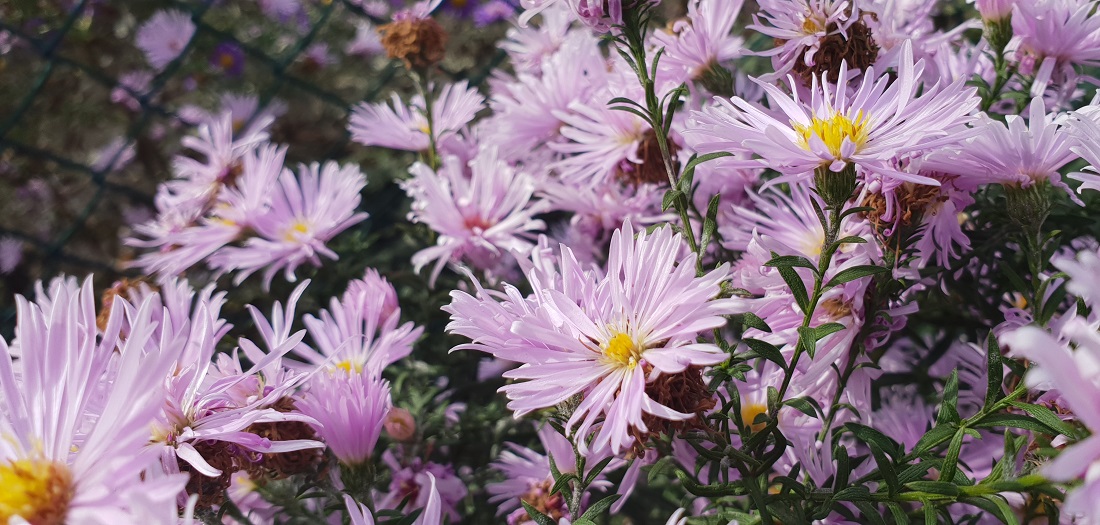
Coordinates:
[599,507]
[827,329]
[852,239]
[807,339]
[872,436]
[710,223]
[1052,302]
[1015,421]
[704,158]
[595,471]
[995,368]
[995,505]
[949,411]
[714,490]
[843,468]
[752,320]
[934,487]
[951,460]
[855,272]
[929,511]
[857,493]
[538,517]
[932,437]
[798,288]
[1046,416]
[767,351]
[670,198]
[898,513]
[786,261]
[806,405]
[886,468]
[869,512]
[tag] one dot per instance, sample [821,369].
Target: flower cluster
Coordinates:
[841,275]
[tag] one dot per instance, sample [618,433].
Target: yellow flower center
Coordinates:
[749,413]
[38,491]
[812,25]
[834,130]
[622,351]
[296,229]
[349,366]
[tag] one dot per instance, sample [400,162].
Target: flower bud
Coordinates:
[835,187]
[400,424]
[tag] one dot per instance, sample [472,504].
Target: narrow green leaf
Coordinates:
[995,372]
[798,288]
[868,512]
[827,329]
[898,513]
[670,198]
[595,471]
[951,460]
[932,437]
[1015,421]
[949,411]
[853,273]
[806,405]
[538,517]
[704,158]
[752,320]
[934,487]
[807,339]
[852,239]
[781,261]
[600,506]
[1046,416]
[767,351]
[710,223]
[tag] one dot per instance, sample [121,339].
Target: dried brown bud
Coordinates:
[419,42]
[858,48]
[652,169]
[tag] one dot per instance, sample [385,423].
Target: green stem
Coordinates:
[423,84]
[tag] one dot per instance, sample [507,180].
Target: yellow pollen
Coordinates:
[296,229]
[833,131]
[622,351]
[749,413]
[1018,300]
[812,26]
[37,491]
[348,366]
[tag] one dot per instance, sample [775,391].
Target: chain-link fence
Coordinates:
[88,128]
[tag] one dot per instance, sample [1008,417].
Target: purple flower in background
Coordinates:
[228,57]
[164,36]
[493,11]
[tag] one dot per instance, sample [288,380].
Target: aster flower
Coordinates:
[74,435]
[306,212]
[701,41]
[1085,130]
[527,46]
[360,330]
[350,409]
[228,57]
[606,337]
[881,120]
[1016,154]
[405,127]
[800,27]
[1072,372]
[366,41]
[164,36]
[1054,36]
[11,254]
[482,217]
[528,477]
[358,513]
[426,485]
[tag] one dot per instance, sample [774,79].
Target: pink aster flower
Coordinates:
[405,127]
[1085,129]
[367,42]
[600,15]
[360,330]
[528,477]
[358,513]
[1054,36]
[164,36]
[350,409]
[481,217]
[75,435]
[1070,363]
[605,336]
[882,119]
[306,212]
[799,27]
[11,254]
[429,486]
[702,40]
[528,46]
[1017,154]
